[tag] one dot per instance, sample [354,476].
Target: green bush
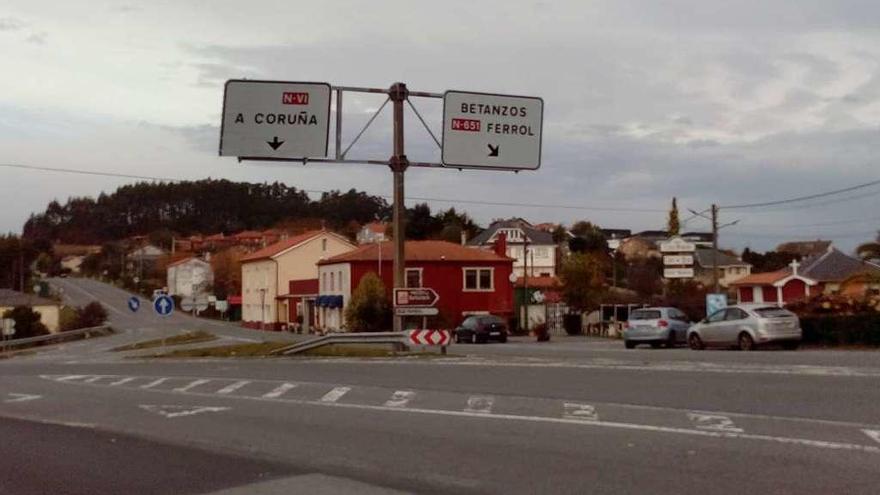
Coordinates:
[858,329]
[27,322]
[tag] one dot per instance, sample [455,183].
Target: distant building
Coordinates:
[50,311]
[147,253]
[615,236]
[525,243]
[372,232]
[189,277]
[72,263]
[730,267]
[804,249]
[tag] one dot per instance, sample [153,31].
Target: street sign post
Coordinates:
[409,311]
[715,302]
[677,245]
[678,273]
[275,119]
[681,259]
[163,305]
[134,304]
[490,131]
[422,297]
[8,327]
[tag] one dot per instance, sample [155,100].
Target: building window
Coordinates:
[413,277]
[324,245]
[324,282]
[478,279]
[341,288]
[332,283]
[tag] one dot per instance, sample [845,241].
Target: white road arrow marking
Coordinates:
[714,422]
[279,391]
[481,404]
[172,411]
[335,394]
[22,397]
[400,398]
[874,434]
[583,412]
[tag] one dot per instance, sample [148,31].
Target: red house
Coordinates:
[468,280]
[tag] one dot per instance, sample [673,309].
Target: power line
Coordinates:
[318,191]
[802,198]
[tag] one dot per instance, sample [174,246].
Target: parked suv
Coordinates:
[656,326]
[747,326]
[481,329]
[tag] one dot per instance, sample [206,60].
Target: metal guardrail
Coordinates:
[59,337]
[398,338]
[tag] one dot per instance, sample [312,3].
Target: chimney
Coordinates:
[463,237]
[501,244]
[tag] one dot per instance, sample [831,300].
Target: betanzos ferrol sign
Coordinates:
[275,119]
[490,131]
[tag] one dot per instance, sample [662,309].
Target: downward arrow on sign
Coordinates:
[275,143]
[22,397]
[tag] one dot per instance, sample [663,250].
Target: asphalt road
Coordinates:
[570,416]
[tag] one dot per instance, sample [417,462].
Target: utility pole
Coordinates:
[715,247]
[526,298]
[398,94]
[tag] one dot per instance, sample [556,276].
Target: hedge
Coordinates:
[859,329]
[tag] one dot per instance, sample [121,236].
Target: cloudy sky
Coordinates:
[706,100]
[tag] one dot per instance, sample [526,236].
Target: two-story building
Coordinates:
[469,281]
[189,277]
[266,276]
[533,250]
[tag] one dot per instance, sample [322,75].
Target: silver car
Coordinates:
[747,326]
[656,326]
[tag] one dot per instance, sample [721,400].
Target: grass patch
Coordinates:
[185,338]
[261,349]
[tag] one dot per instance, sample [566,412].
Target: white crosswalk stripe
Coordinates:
[714,422]
[233,387]
[335,394]
[400,398]
[193,384]
[123,381]
[279,391]
[873,434]
[480,404]
[93,379]
[155,383]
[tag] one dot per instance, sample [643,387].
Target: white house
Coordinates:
[372,232]
[189,277]
[533,249]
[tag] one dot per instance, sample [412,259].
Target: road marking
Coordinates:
[70,377]
[335,394]
[279,391]
[400,398]
[22,397]
[582,412]
[93,379]
[232,388]
[175,411]
[94,297]
[193,384]
[123,381]
[479,404]
[714,422]
[873,434]
[155,383]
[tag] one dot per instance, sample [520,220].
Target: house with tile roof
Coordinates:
[730,267]
[50,311]
[822,273]
[804,249]
[267,274]
[469,281]
[372,232]
[532,249]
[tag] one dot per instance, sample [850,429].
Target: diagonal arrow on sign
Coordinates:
[22,397]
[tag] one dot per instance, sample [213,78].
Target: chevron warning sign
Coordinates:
[430,337]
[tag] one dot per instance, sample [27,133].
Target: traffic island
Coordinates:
[184,338]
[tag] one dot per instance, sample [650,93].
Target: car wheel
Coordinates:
[746,343]
[790,346]
[670,341]
[695,342]
[629,344]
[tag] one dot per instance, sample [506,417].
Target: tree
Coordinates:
[870,251]
[643,276]
[673,225]
[588,238]
[560,234]
[583,280]
[27,322]
[368,310]
[227,272]
[769,261]
[91,315]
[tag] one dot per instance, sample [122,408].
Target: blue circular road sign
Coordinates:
[134,304]
[163,305]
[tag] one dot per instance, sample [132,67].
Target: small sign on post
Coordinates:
[421,297]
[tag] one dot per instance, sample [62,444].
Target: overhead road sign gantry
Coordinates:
[275,119]
[492,131]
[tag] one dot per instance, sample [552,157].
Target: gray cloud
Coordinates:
[11,24]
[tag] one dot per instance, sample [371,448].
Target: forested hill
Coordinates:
[206,206]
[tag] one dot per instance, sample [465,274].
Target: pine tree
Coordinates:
[673,226]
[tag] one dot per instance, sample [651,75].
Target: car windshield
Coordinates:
[771,312]
[644,314]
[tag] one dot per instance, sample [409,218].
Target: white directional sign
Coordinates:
[405,311]
[678,273]
[677,245]
[8,327]
[491,131]
[683,259]
[275,119]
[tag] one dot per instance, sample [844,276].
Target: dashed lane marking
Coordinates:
[400,398]
[714,422]
[480,404]
[155,383]
[335,394]
[873,435]
[579,411]
[191,385]
[123,381]
[22,397]
[233,387]
[176,411]
[279,391]
[93,379]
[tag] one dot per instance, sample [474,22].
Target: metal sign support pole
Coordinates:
[398,163]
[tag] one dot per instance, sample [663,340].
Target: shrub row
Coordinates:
[858,329]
